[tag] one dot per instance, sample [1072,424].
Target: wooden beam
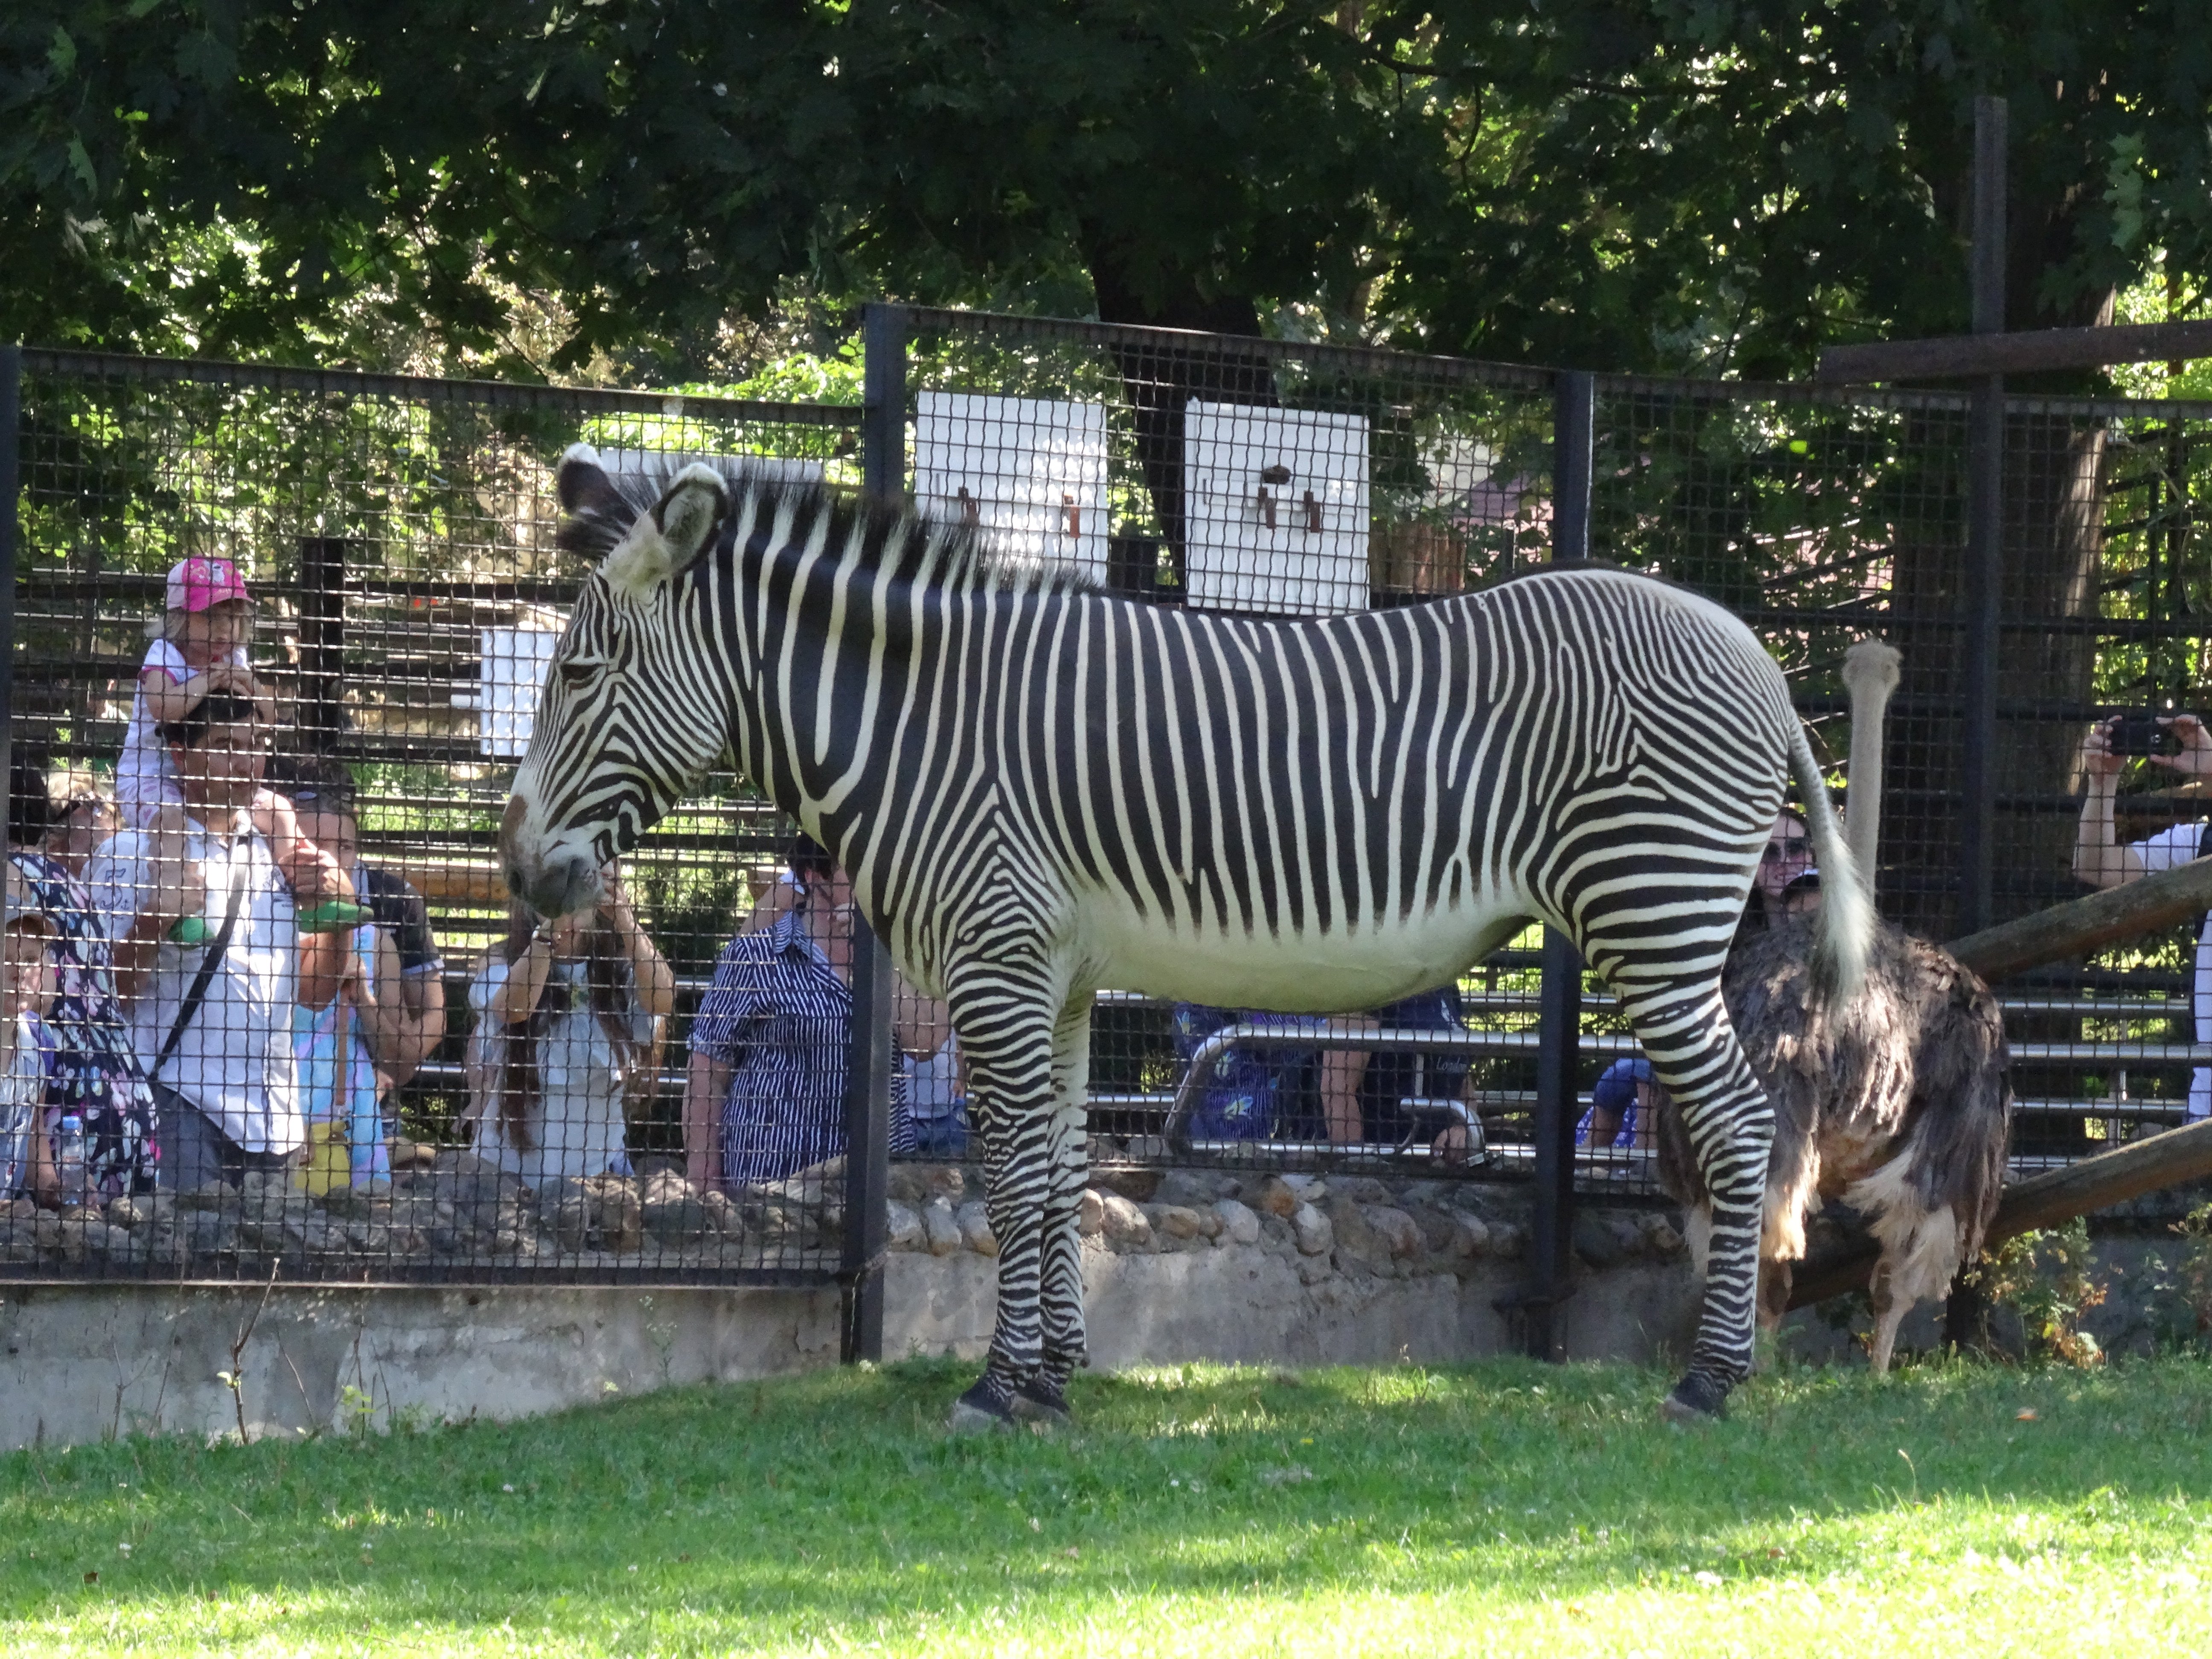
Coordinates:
[1960,356]
[2088,924]
[2143,1166]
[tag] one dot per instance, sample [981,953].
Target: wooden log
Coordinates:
[2171,1159]
[1962,356]
[2088,924]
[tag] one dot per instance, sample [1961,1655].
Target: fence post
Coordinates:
[1552,1220]
[319,710]
[1574,429]
[11,442]
[868,1078]
[1980,589]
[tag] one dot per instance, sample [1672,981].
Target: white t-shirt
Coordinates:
[235,1059]
[577,1127]
[2167,850]
[143,777]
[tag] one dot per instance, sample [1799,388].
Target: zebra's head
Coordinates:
[626,722]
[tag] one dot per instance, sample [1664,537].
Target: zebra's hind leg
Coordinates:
[1694,1051]
[1044,1395]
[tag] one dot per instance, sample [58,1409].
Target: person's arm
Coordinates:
[656,981]
[325,959]
[170,698]
[919,1023]
[419,1005]
[138,898]
[706,1086]
[516,1000]
[2099,859]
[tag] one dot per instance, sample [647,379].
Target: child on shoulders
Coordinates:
[199,647]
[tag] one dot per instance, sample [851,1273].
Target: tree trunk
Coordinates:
[1161,380]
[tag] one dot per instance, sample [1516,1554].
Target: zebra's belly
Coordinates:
[1308,972]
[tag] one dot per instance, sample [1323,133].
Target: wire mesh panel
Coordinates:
[278,640]
[1249,477]
[1267,480]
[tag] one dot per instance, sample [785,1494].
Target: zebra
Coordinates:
[1040,790]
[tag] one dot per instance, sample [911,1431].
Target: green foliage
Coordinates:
[2195,1271]
[1499,1509]
[530,189]
[2048,1278]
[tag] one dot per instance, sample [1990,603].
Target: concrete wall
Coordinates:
[84,1363]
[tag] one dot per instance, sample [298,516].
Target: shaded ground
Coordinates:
[1504,1508]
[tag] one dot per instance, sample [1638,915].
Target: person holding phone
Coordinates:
[2174,742]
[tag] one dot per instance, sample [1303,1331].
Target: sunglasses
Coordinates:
[1792,849]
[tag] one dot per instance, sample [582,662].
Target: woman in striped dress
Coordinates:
[772,1039]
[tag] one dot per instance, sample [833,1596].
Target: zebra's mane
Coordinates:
[600,505]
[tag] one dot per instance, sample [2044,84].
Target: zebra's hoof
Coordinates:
[1694,1399]
[981,1409]
[1037,1401]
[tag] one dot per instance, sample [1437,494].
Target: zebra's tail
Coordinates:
[1843,931]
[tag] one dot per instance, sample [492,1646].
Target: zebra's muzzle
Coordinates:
[552,882]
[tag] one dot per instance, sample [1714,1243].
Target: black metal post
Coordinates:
[1979,592]
[320,710]
[11,428]
[868,1079]
[1552,1222]
[1574,425]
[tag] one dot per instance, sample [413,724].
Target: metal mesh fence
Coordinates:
[396,538]
[390,1076]
[1275,479]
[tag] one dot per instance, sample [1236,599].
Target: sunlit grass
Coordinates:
[1498,1508]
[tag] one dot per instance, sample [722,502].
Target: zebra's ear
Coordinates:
[669,537]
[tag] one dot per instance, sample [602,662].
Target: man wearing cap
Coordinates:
[211,1014]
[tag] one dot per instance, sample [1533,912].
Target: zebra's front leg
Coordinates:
[1694,1049]
[1012,1110]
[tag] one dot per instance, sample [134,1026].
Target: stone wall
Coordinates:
[1181,1265]
[1178,1265]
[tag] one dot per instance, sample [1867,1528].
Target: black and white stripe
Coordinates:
[779,1016]
[1040,790]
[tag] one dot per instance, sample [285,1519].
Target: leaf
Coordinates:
[80,165]
[61,55]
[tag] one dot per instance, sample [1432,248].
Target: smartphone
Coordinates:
[2140,734]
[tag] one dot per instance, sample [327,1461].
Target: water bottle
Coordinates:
[69,1150]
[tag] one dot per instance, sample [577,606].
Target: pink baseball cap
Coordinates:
[196,584]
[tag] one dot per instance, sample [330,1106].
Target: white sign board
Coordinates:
[511,670]
[1275,509]
[1027,471]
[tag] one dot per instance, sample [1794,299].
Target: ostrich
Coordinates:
[1899,1103]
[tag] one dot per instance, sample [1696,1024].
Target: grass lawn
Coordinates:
[1504,1508]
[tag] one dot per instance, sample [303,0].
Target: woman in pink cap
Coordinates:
[199,647]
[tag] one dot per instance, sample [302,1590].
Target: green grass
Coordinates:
[1504,1508]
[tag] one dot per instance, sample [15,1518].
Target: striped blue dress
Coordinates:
[780,1017]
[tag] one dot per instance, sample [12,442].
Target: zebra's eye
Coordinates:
[576,674]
